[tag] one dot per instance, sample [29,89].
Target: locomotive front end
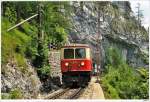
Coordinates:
[76,64]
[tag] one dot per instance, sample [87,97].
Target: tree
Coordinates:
[139,14]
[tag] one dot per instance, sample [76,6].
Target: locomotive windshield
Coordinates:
[68,53]
[78,52]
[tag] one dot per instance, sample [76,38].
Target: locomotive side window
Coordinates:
[80,53]
[68,53]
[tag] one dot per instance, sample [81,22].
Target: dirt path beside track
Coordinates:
[93,91]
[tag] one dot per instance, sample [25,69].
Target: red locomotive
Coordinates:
[76,64]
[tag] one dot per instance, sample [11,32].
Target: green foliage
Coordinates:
[143,83]
[44,72]
[16,94]
[114,53]
[21,63]
[55,27]
[41,58]
[56,22]
[4,96]
[143,73]
[29,29]
[31,52]
[13,42]
[20,59]
[122,81]
[9,11]
[41,61]
[24,40]
[31,48]
[15,11]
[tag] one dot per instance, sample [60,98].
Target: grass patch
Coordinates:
[4,96]
[14,44]
[16,94]
[21,62]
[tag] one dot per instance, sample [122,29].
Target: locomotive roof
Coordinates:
[76,45]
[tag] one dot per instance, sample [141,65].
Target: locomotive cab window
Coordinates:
[68,53]
[80,53]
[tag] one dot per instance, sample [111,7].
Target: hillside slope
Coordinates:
[18,77]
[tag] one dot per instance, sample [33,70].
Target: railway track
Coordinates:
[67,93]
[76,93]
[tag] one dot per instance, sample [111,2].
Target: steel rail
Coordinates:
[76,94]
[57,95]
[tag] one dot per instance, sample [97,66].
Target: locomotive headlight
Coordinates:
[82,63]
[66,64]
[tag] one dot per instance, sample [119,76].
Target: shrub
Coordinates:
[122,81]
[4,96]
[16,94]
[44,72]
[113,57]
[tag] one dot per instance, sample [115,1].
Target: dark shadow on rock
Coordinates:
[50,84]
[56,81]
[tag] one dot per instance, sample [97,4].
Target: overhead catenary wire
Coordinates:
[22,22]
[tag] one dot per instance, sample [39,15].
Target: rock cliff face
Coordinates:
[19,82]
[118,28]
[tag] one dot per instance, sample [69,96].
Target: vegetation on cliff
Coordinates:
[122,20]
[121,81]
[22,43]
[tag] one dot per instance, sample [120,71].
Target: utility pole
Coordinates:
[39,19]
[40,28]
[99,37]
[39,60]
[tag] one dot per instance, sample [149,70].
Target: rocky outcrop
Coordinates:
[19,81]
[118,28]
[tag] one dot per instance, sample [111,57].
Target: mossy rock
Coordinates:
[16,94]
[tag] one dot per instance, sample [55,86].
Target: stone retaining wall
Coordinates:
[54,61]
